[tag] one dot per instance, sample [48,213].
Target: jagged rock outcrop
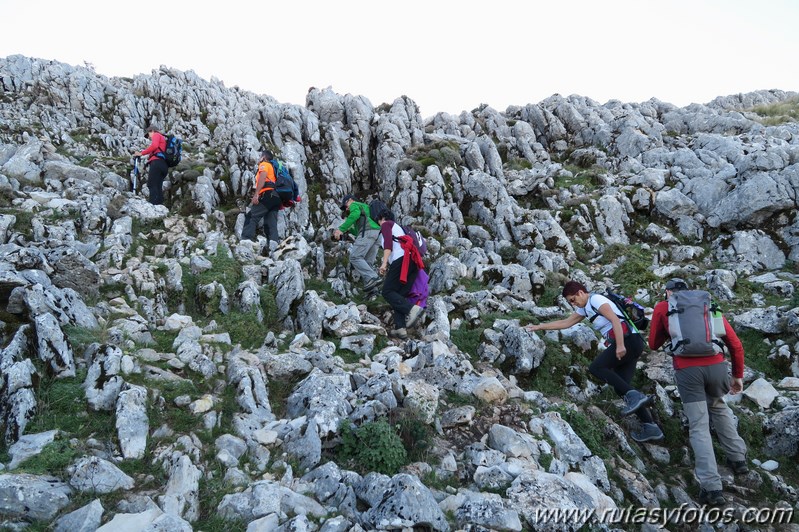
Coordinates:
[229,367]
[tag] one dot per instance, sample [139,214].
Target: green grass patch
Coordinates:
[179,419]
[24,221]
[434,482]
[82,337]
[212,489]
[778,113]
[279,391]
[552,289]
[243,327]
[53,460]
[635,269]
[467,338]
[322,287]
[576,176]
[515,163]
[472,285]
[163,340]
[549,377]
[61,404]
[591,434]
[454,399]
[350,357]
[757,351]
[750,429]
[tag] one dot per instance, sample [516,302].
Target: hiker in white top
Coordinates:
[400,272]
[615,365]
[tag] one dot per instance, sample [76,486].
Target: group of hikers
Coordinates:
[373,227]
[401,266]
[702,377]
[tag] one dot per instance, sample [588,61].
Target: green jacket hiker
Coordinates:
[365,230]
[357,219]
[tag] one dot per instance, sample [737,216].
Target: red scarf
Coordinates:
[411,254]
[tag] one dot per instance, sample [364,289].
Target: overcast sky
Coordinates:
[446,55]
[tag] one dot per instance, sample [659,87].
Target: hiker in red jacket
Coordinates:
[702,382]
[157,163]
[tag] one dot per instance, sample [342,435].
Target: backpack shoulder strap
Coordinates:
[622,316]
[590,306]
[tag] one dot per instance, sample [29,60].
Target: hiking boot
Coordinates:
[372,284]
[711,498]
[738,467]
[633,400]
[402,334]
[648,432]
[413,316]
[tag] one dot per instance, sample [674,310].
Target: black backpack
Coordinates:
[633,313]
[378,209]
[174,150]
[285,186]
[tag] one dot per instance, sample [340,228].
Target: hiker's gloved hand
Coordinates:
[737,385]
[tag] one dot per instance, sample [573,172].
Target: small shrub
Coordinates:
[373,446]
[509,253]
[519,164]
[545,460]
[415,434]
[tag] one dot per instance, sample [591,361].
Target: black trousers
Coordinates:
[267,208]
[619,373]
[395,292]
[155,180]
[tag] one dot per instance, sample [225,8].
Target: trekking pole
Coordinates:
[135,174]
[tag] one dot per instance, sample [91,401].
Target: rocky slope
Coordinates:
[161,374]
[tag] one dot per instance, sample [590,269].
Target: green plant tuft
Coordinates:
[373,446]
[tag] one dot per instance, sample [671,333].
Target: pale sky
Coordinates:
[446,55]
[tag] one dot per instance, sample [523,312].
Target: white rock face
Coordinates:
[132,423]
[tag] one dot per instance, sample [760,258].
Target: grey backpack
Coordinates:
[691,324]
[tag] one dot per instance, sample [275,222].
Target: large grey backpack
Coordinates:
[691,325]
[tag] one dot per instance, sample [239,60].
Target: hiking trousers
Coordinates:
[619,373]
[155,180]
[395,292]
[701,390]
[267,208]
[363,254]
